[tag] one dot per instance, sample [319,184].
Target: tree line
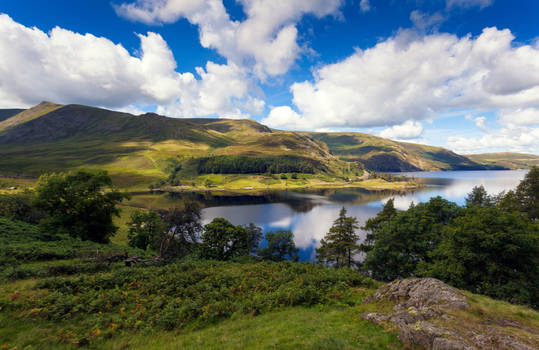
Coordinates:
[256,165]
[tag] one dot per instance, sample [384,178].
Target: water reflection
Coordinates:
[309,214]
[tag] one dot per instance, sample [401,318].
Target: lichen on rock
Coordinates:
[423,307]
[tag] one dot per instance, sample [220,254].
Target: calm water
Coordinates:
[309,214]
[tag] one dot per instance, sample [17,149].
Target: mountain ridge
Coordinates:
[53,137]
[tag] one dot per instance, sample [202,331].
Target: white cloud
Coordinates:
[412,77]
[266,41]
[406,131]
[469,3]
[478,121]
[67,67]
[511,138]
[365,5]
[221,89]
[520,116]
[283,116]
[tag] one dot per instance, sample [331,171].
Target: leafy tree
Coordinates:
[479,197]
[280,246]
[222,241]
[340,244]
[254,234]
[145,229]
[491,252]
[406,239]
[79,203]
[527,194]
[183,228]
[373,224]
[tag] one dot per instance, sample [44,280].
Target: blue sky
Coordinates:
[462,74]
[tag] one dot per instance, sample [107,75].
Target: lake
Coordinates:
[310,213]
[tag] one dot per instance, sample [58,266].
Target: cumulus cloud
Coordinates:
[520,116]
[266,41]
[412,77]
[406,131]
[512,138]
[283,116]
[68,67]
[469,3]
[222,88]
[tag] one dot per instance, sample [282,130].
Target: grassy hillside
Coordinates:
[507,159]
[152,149]
[144,149]
[62,293]
[380,154]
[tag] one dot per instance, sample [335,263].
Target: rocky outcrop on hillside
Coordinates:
[426,312]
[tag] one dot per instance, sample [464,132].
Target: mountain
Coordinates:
[142,148]
[7,113]
[507,159]
[379,154]
[148,148]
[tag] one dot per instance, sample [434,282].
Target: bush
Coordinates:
[20,207]
[197,293]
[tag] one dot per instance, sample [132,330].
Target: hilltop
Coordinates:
[139,150]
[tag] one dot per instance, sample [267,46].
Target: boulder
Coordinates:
[423,306]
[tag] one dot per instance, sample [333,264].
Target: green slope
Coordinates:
[139,150]
[507,159]
[380,154]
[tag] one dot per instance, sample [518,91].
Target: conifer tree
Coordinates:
[340,244]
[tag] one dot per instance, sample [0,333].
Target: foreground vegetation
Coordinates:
[71,292]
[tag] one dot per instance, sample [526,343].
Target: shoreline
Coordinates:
[372,185]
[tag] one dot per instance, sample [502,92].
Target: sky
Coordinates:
[461,74]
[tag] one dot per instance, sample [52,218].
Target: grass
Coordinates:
[321,328]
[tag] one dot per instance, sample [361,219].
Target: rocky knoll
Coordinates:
[429,314]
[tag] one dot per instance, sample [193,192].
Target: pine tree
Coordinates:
[340,244]
[373,224]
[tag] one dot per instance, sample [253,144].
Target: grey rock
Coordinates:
[422,304]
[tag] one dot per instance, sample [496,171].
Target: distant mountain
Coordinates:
[507,159]
[380,154]
[145,148]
